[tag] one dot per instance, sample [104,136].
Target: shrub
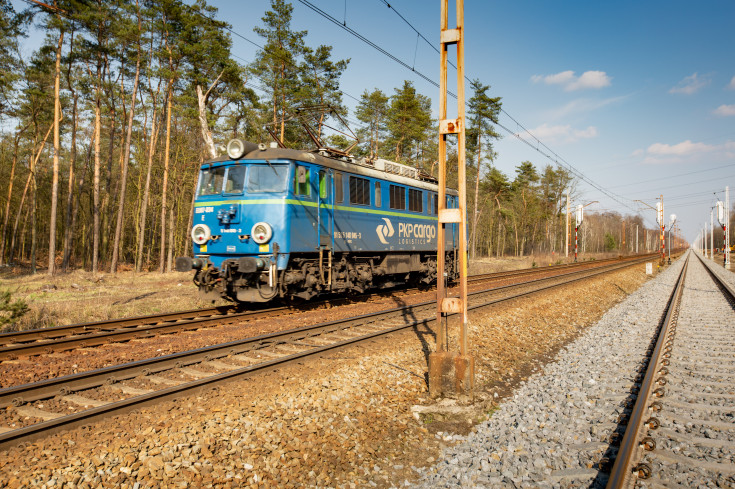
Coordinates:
[10,312]
[609,242]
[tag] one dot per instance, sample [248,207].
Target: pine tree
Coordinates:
[11,30]
[482,111]
[409,121]
[212,74]
[372,111]
[320,82]
[277,65]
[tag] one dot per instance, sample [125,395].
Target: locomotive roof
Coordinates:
[360,167]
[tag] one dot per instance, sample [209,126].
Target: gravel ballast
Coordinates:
[557,427]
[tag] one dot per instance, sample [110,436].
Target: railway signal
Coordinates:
[578,222]
[727,222]
[723,217]
[660,221]
[712,234]
[672,220]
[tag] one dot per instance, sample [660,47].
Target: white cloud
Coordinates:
[570,82]
[691,84]
[686,152]
[590,79]
[582,105]
[731,86]
[685,148]
[562,134]
[725,110]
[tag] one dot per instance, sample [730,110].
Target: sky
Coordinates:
[639,97]
[636,96]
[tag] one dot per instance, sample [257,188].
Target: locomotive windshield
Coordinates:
[267,178]
[231,179]
[235,180]
[210,180]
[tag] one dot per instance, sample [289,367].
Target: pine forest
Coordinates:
[104,128]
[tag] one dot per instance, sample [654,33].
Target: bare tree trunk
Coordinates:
[96,191]
[34,234]
[6,217]
[17,217]
[161,267]
[144,205]
[475,214]
[29,184]
[55,182]
[68,232]
[68,228]
[170,256]
[23,235]
[206,132]
[105,195]
[124,176]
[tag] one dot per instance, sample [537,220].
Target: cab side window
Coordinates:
[339,190]
[323,184]
[301,183]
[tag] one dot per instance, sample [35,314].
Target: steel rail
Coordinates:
[526,271]
[622,472]
[95,378]
[85,328]
[68,384]
[84,335]
[128,333]
[708,265]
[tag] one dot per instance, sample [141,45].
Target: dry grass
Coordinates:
[81,296]
[489,265]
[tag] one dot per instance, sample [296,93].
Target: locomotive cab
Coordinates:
[239,226]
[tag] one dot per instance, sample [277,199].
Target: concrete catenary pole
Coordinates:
[712,234]
[704,251]
[661,223]
[727,225]
[566,234]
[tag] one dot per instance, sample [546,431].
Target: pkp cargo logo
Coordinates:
[385,231]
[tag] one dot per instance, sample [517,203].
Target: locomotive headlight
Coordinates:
[200,234]
[261,232]
[235,149]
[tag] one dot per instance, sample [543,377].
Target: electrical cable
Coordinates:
[548,153]
[370,43]
[658,179]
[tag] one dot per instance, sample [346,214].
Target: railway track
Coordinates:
[681,430]
[35,410]
[85,335]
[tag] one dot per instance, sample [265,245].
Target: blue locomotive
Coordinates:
[274,223]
